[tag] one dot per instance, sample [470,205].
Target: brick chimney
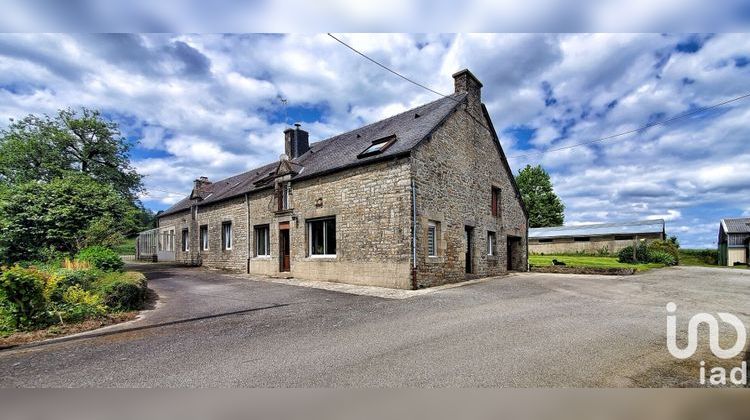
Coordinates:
[465,81]
[296,141]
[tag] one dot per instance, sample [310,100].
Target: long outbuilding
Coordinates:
[606,238]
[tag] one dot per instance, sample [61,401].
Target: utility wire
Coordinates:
[660,122]
[388,69]
[655,123]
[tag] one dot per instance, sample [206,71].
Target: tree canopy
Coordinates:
[40,219]
[544,206]
[44,148]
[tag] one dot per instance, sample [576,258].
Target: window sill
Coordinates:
[283,212]
[261,257]
[321,258]
[492,257]
[434,260]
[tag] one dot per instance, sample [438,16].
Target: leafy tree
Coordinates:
[40,219]
[544,206]
[44,148]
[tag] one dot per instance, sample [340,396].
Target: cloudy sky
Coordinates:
[212,105]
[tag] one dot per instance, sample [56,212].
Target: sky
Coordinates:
[211,105]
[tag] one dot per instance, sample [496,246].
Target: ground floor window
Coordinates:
[491,243]
[262,241]
[204,237]
[185,240]
[226,236]
[167,242]
[432,239]
[322,236]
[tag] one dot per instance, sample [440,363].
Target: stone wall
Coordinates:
[455,171]
[372,207]
[597,244]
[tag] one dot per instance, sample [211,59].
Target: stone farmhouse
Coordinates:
[734,241]
[608,238]
[423,198]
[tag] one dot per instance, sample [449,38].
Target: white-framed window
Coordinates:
[262,241]
[322,237]
[167,242]
[226,235]
[185,240]
[204,237]
[491,243]
[283,196]
[432,239]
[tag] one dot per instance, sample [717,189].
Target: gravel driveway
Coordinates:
[527,329]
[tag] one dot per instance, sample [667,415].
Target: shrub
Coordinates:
[661,257]
[23,289]
[123,291]
[705,256]
[626,254]
[79,304]
[102,258]
[59,282]
[669,247]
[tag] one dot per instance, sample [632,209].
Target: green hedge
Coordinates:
[123,291]
[23,289]
[100,257]
[32,299]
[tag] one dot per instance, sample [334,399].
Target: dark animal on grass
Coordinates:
[555,262]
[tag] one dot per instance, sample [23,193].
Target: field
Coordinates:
[589,261]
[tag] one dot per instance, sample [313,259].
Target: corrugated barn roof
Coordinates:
[600,229]
[737,225]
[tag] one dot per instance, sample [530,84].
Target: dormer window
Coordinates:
[378,146]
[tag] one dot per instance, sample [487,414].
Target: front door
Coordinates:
[284,248]
[469,236]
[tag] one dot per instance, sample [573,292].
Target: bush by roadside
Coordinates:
[33,298]
[100,257]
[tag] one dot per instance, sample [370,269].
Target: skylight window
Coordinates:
[378,146]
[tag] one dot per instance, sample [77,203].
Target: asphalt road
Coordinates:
[211,329]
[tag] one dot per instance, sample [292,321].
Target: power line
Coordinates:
[660,122]
[388,69]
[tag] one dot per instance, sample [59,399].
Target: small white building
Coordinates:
[734,241]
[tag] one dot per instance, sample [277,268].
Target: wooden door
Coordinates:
[284,250]
[469,236]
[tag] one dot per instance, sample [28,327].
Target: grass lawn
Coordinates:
[588,261]
[126,248]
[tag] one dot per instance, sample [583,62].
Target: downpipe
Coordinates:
[413,236]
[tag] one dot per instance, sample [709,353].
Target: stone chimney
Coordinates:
[296,141]
[199,187]
[465,81]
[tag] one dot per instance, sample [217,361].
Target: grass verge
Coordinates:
[588,261]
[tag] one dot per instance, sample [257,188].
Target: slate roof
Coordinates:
[736,225]
[340,152]
[600,229]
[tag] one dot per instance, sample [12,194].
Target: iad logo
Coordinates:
[738,375]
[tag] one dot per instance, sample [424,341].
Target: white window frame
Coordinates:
[203,238]
[432,248]
[226,238]
[267,239]
[325,238]
[185,237]
[491,243]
